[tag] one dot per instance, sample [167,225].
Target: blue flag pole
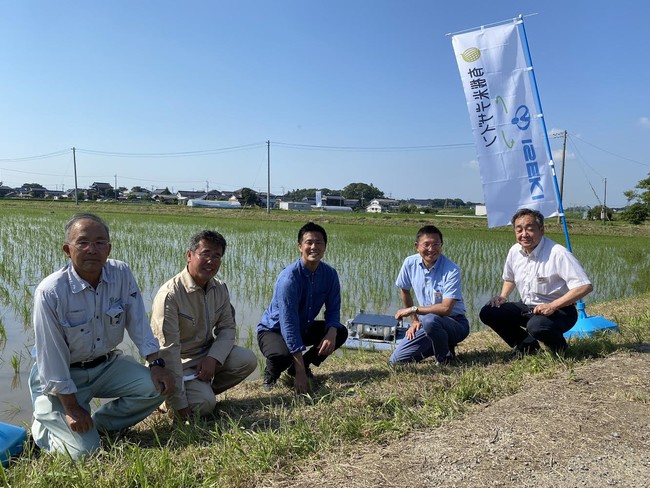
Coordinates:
[585,326]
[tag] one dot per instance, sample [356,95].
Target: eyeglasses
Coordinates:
[430,245]
[100,245]
[208,256]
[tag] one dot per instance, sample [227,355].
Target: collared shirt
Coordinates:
[192,323]
[431,286]
[75,322]
[545,274]
[297,300]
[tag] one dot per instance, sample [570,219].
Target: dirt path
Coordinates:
[587,428]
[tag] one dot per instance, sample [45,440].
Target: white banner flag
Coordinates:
[508,131]
[319,198]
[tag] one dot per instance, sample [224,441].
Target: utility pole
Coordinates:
[115,189]
[268,177]
[604,210]
[76,191]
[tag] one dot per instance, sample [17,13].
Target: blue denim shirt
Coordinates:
[298,297]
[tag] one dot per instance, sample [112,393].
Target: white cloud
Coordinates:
[644,121]
[473,164]
[557,155]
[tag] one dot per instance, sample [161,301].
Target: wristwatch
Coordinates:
[414,310]
[157,362]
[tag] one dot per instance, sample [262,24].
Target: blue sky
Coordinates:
[314,78]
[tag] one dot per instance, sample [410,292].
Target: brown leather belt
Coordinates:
[91,363]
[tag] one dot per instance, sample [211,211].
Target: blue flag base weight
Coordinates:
[587,326]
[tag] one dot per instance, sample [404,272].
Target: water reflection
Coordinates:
[367,258]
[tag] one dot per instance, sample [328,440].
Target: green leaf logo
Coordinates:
[470,55]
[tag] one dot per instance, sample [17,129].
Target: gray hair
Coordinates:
[84,216]
[537,215]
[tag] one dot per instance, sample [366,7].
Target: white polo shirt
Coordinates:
[544,275]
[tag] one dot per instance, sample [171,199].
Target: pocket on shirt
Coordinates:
[114,319]
[186,324]
[540,285]
[78,334]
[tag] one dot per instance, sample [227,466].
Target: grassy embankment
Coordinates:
[359,402]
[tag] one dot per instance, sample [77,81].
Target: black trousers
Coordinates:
[513,322]
[278,357]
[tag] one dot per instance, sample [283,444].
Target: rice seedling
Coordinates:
[16,361]
[10,410]
[3,334]
[367,254]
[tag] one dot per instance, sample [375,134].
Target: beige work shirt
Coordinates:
[190,324]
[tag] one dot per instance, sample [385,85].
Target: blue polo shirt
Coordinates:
[298,297]
[431,286]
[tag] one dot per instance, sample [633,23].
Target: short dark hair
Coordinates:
[85,216]
[428,230]
[311,227]
[537,215]
[210,236]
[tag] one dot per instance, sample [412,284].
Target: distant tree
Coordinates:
[596,213]
[406,208]
[643,195]
[299,194]
[139,189]
[33,185]
[362,192]
[438,203]
[166,191]
[635,214]
[641,198]
[249,197]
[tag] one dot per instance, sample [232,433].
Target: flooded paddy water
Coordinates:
[367,257]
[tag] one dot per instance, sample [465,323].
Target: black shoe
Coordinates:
[529,346]
[449,358]
[269,382]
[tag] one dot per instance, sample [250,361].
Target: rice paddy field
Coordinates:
[366,251]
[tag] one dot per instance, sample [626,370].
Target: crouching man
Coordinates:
[80,315]
[195,323]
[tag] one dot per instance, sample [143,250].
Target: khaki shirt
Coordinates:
[190,324]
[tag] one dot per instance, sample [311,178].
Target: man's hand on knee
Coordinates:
[78,419]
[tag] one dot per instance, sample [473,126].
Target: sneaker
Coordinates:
[269,382]
[529,346]
[449,358]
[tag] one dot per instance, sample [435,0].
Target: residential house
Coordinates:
[99,189]
[183,196]
[382,205]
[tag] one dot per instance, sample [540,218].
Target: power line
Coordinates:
[171,154]
[41,156]
[372,148]
[610,152]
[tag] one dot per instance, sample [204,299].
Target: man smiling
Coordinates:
[288,325]
[438,324]
[550,280]
[195,322]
